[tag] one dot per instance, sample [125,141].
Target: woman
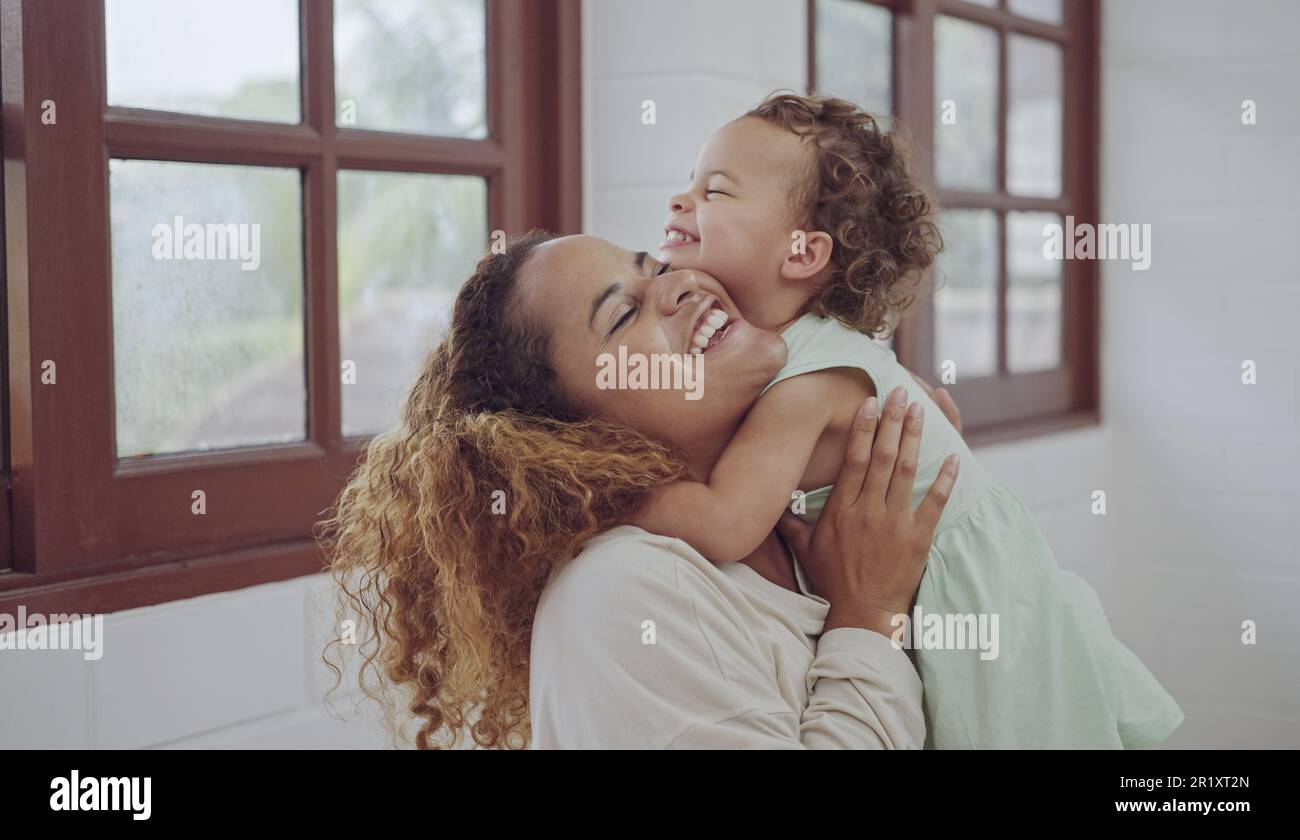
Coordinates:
[508,461]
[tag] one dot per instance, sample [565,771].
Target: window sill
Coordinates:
[145,586]
[1033,428]
[114,591]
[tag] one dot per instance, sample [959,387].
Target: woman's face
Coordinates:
[592,297]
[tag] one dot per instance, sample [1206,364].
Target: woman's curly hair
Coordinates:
[444,584]
[859,190]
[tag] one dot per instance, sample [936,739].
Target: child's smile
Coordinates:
[676,236]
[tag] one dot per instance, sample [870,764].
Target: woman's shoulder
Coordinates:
[635,640]
[619,567]
[627,574]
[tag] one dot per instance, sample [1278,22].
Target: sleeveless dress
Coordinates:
[1060,678]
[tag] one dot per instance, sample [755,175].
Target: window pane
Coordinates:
[417,66]
[406,244]
[1034,316]
[966,95]
[966,302]
[1034,87]
[237,58]
[1049,11]
[854,53]
[207,306]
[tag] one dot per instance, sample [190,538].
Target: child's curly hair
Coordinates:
[860,192]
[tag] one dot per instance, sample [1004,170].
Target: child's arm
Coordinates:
[726,519]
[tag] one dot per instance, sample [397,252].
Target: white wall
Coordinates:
[235,669]
[1200,471]
[1204,482]
[703,64]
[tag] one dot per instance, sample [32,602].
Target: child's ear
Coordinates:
[810,252]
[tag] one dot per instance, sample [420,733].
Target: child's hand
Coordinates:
[868,550]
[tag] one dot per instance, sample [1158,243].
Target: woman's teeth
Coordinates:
[712,324]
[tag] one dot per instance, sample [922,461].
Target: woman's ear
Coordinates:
[810,252]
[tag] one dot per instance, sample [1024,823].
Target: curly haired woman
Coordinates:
[556,620]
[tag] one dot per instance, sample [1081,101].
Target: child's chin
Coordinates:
[676,259]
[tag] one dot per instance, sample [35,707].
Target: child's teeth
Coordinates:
[707,331]
[716,319]
[699,340]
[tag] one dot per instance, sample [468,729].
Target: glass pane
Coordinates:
[207,306]
[416,66]
[966,96]
[966,301]
[1034,89]
[1049,11]
[854,53]
[237,58]
[1034,318]
[406,244]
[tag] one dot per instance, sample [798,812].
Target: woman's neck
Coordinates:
[773,560]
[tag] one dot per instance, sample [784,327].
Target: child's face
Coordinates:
[735,219]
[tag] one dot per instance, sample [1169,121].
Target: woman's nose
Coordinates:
[677,289]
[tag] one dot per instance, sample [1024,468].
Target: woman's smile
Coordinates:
[712,324]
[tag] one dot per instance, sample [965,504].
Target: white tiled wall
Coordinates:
[1204,469]
[1200,471]
[703,64]
[235,669]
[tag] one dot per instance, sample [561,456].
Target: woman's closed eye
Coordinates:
[624,318]
[635,307]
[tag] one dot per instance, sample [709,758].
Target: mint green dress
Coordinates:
[1061,679]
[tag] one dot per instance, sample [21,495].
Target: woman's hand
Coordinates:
[944,400]
[868,550]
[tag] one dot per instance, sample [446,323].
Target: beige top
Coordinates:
[641,642]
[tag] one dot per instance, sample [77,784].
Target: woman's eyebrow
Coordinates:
[638,262]
[600,301]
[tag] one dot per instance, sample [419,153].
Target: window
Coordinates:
[232,232]
[1000,100]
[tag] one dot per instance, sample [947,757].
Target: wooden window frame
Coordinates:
[1007,405]
[94,534]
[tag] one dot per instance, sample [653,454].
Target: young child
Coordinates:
[818,173]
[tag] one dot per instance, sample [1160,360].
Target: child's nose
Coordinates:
[680,203]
